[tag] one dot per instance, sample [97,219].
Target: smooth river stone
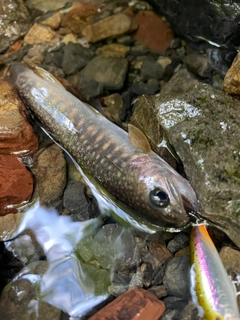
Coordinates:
[16,184]
[17,136]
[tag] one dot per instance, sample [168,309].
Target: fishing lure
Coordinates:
[211,288]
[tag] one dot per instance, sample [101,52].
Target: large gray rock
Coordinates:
[203,125]
[15,22]
[217,21]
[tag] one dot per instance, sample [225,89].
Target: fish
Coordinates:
[211,288]
[122,163]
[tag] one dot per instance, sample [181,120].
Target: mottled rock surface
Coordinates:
[39,33]
[203,126]
[15,22]
[135,304]
[16,134]
[16,184]
[24,289]
[49,168]
[44,6]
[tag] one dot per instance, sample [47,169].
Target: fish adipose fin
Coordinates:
[138,139]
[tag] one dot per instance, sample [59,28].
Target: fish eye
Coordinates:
[158,198]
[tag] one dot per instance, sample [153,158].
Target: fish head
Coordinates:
[160,194]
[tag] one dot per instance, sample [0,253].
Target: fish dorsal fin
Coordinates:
[47,75]
[138,139]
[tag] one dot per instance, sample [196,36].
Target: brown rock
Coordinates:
[16,134]
[53,21]
[231,83]
[109,27]
[230,259]
[113,50]
[79,16]
[160,251]
[38,34]
[49,168]
[16,184]
[135,304]
[153,31]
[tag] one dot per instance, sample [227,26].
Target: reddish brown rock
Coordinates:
[153,31]
[135,304]
[16,134]
[79,16]
[16,184]
[231,83]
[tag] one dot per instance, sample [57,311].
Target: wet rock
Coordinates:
[176,278]
[49,168]
[151,70]
[76,202]
[15,22]
[113,50]
[39,33]
[21,291]
[177,308]
[178,242]
[147,306]
[218,21]
[16,134]
[79,16]
[141,88]
[115,247]
[75,57]
[103,73]
[159,291]
[112,108]
[231,82]
[200,124]
[148,23]
[231,259]
[198,64]
[110,27]
[35,54]
[157,255]
[16,184]
[181,82]
[164,62]
[137,279]
[45,5]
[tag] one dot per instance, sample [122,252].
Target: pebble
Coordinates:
[147,306]
[39,34]
[156,41]
[113,50]
[17,136]
[49,168]
[112,108]
[230,259]
[176,277]
[79,16]
[45,5]
[110,27]
[16,184]
[103,73]
[198,64]
[76,202]
[53,21]
[75,57]
[115,247]
[231,83]
[151,70]
[180,241]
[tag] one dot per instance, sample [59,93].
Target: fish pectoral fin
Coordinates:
[44,74]
[138,139]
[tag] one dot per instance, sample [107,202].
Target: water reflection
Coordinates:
[69,284]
